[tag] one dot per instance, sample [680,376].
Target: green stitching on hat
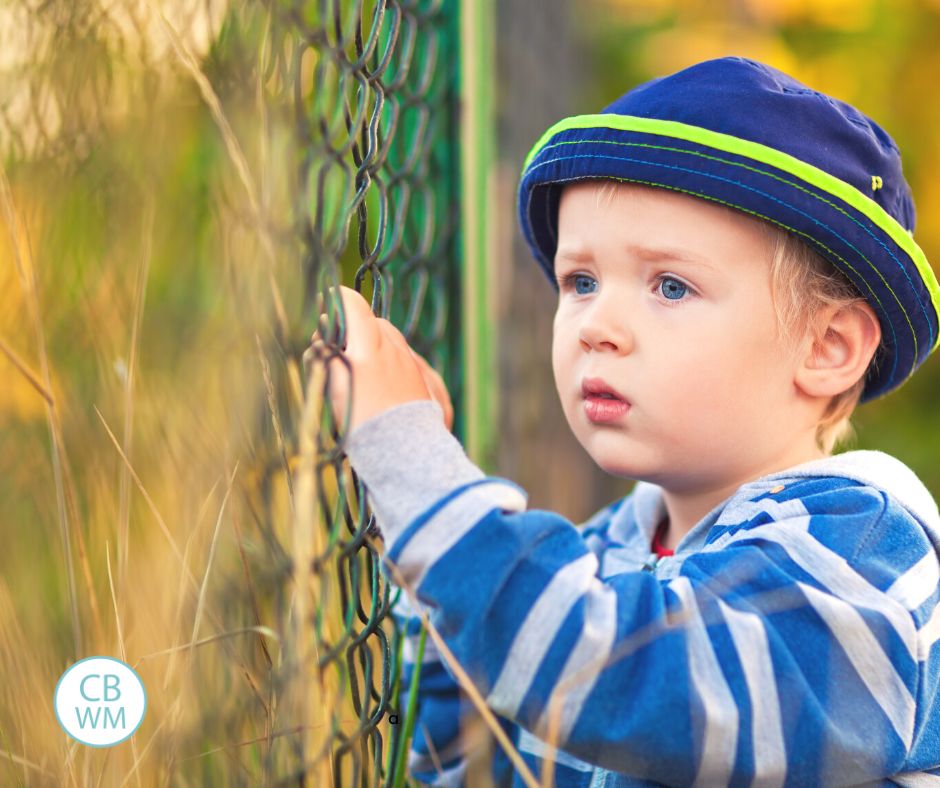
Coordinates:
[767,155]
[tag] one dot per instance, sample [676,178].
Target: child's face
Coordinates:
[672,309]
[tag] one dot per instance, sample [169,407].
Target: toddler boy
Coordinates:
[735,270]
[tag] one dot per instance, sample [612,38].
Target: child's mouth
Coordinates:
[604,407]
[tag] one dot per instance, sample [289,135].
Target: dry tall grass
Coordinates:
[146,508]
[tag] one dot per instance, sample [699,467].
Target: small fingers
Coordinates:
[436,386]
[352,299]
[362,334]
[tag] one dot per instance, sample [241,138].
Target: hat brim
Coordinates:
[838,221]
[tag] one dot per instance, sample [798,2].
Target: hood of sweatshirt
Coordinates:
[875,469]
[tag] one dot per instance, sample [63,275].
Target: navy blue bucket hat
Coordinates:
[745,135]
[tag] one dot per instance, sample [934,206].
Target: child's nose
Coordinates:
[604,327]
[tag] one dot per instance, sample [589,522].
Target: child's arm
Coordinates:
[779,654]
[388,372]
[791,653]
[448,731]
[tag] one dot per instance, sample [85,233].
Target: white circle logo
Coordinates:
[100,701]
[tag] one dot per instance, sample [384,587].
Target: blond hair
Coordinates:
[802,283]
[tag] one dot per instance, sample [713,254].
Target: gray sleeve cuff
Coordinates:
[408,460]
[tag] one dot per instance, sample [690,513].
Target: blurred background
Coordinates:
[136,292]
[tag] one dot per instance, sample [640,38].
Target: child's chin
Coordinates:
[624,459]
[621,473]
[615,466]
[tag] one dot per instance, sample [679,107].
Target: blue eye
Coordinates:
[674,289]
[671,288]
[580,280]
[574,280]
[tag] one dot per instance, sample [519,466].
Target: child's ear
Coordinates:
[839,356]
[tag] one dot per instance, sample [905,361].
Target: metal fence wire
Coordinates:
[373,88]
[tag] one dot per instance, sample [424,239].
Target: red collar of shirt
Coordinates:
[658,541]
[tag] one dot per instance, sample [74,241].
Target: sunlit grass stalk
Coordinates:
[404,742]
[464,680]
[275,419]
[16,759]
[13,759]
[23,368]
[150,503]
[260,630]
[200,605]
[140,292]
[395,730]
[121,645]
[307,678]
[171,663]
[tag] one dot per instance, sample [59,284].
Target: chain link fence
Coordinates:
[353,104]
[373,94]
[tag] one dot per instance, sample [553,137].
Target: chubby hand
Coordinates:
[386,371]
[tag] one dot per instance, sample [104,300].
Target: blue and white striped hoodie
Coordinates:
[791,640]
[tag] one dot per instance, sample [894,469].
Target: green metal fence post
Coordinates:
[477,192]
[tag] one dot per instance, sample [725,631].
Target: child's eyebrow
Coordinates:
[669,254]
[652,254]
